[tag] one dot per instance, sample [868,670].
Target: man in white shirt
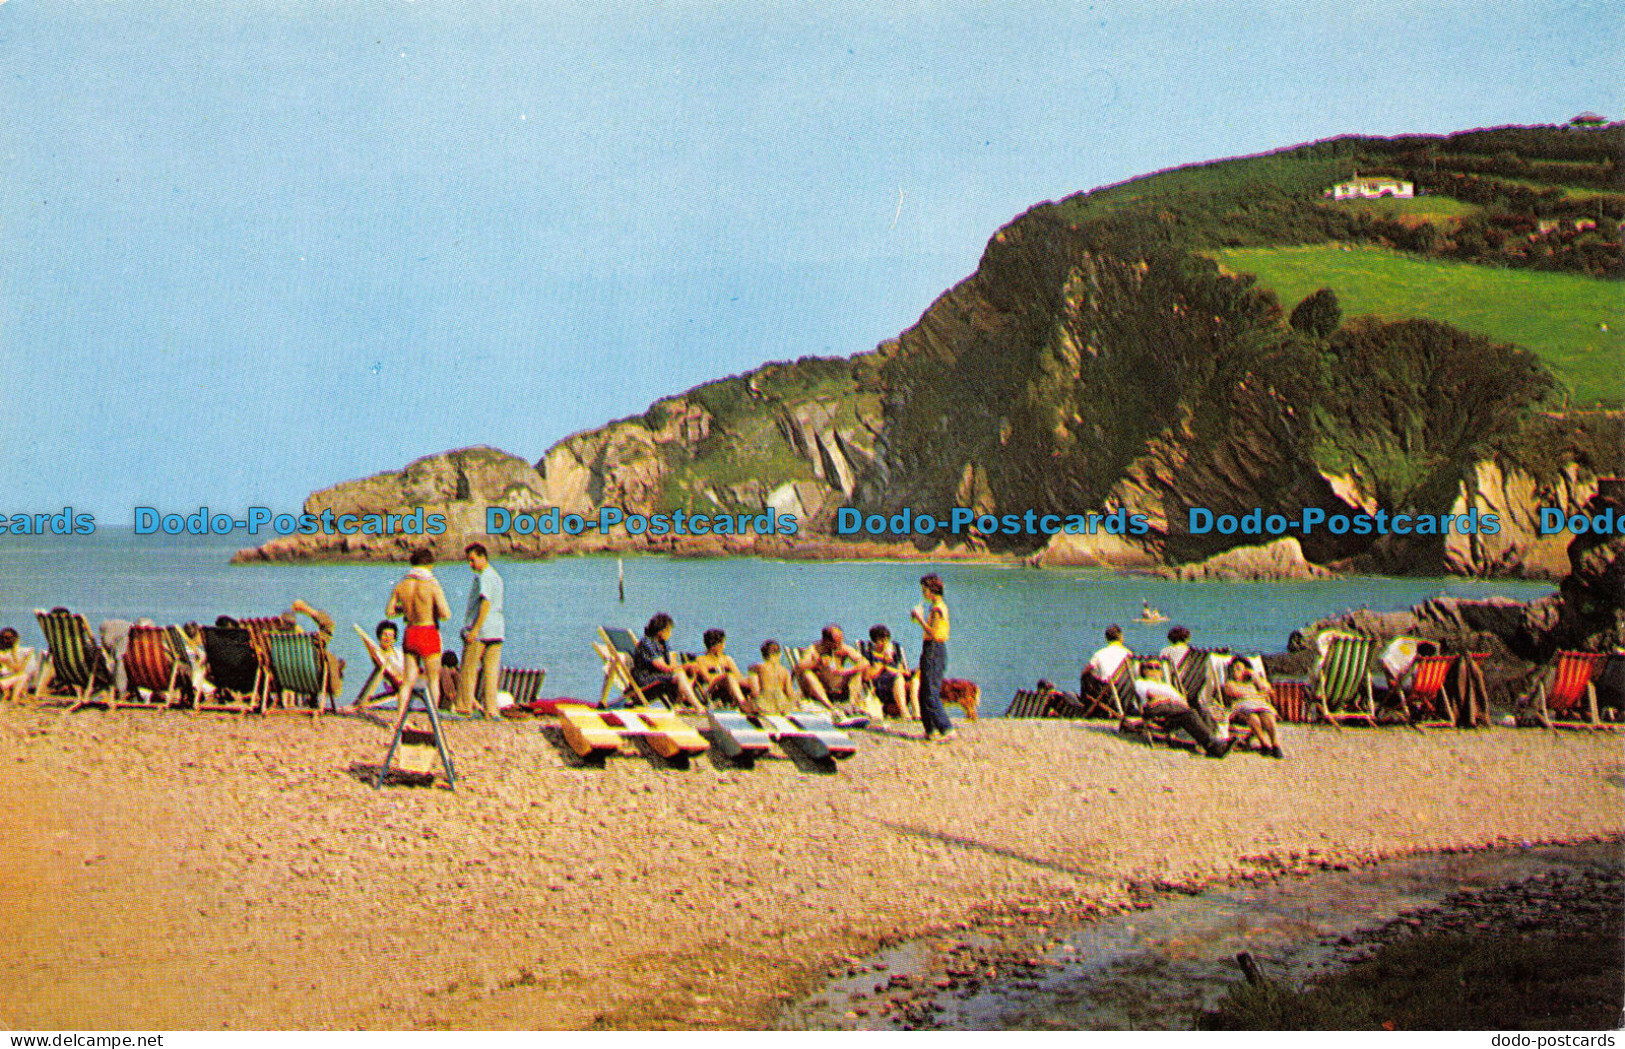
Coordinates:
[1104,664]
[1177,648]
[484,627]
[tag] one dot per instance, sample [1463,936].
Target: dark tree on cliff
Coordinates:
[1318,314]
[1411,405]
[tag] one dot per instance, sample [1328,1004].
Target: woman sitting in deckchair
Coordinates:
[16,665]
[389,660]
[1249,699]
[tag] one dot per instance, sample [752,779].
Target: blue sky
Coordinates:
[249,249]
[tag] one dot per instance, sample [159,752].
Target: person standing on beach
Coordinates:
[933,620]
[483,629]
[419,599]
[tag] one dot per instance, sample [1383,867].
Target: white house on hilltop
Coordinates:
[1370,188]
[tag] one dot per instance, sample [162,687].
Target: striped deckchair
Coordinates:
[1112,701]
[1028,703]
[298,663]
[150,665]
[1570,692]
[78,661]
[1342,680]
[1191,675]
[1427,702]
[523,685]
[234,670]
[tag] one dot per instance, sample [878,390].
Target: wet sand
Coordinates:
[166,870]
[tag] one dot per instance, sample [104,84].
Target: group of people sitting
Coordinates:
[831,673]
[1246,695]
[209,667]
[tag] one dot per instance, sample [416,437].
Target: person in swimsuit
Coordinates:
[889,673]
[832,671]
[420,601]
[716,675]
[772,692]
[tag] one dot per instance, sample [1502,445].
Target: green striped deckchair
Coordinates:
[299,666]
[1342,680]
[77,659]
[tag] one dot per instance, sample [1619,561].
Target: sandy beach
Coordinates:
[166,870]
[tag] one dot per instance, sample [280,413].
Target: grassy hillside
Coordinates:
[1558,316]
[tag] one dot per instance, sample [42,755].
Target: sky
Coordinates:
[253,248]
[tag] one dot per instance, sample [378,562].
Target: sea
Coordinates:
[1012,625]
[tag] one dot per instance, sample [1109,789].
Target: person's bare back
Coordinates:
[420,601]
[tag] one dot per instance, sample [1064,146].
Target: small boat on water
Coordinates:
[1149,614]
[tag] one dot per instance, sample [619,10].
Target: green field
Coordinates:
[1559,316]
[1436,208]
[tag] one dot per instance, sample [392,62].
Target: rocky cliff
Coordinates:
[1092,362]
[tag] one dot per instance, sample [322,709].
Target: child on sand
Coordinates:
[771,681]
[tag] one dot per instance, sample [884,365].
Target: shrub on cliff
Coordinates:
[1318,315]
[1411,405]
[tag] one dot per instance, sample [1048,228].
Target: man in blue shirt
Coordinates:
[483,628]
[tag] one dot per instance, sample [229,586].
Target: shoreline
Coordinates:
[907,986]
[239,870]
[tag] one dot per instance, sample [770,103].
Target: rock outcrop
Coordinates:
[1516,499]
[1282,559]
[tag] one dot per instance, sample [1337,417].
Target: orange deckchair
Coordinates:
[1558,704]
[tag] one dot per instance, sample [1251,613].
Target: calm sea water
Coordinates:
[1011,625]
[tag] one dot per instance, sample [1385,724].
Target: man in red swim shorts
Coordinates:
[420,601]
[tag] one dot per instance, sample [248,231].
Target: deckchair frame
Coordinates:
[1342,678]
[1427,701]
[298,663]
[150,663]
[217,638]
[77,658]
[1571,690]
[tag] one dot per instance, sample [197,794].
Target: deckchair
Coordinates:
[1342,680]
[1028,703]
[1134,721]
[615,647]
[369,695]
[1114,699]
[150,665]
[299,666]
[819,737]
[260,628]
[78,661]
[1571,691]
[1191,676]
[523,685]
[1427,703]
[884,705]
[234,670]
